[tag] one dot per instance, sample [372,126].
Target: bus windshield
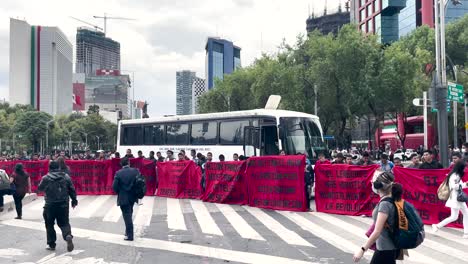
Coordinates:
[301,135]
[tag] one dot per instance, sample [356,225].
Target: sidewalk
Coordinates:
[9,203]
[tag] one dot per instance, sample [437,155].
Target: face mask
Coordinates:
[375,190]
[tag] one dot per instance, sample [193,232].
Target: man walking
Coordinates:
[58,188]
[123,185]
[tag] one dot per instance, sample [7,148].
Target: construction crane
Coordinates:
[95,26]
[105,17]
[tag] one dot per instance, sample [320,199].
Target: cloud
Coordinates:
[167,36]
[178,35]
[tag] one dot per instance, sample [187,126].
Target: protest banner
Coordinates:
[91,177]
[277,182]
[147,168]
[344,189]
[35,169]
[225,182]
[179,179]
[420,189]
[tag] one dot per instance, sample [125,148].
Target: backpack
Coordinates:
[4,180]
[443,192]
[408,232]
[139,186]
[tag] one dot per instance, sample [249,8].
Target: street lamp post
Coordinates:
[47,135]
[98,143]
[441,78]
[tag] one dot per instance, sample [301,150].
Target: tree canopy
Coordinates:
[351,75]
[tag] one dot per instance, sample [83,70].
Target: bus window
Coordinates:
[232,132]
[295,138]
[204,133]
[132,135]
[153,135]
[177,134]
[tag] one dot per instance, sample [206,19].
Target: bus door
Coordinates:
[268,137]
[251,141]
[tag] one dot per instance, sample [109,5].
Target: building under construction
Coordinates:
[95,51]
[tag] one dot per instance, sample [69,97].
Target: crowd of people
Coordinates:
[428,160]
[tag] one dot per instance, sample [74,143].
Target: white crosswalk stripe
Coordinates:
[113,215]
[175,218]
[239,224]
[287,235]
[206,222]
[191,218]
[92,208]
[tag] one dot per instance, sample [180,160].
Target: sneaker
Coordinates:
[70,245]
[435,228]
[465,236]
[50,248]
[18,217]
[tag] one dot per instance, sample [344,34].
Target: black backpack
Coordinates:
[139,186]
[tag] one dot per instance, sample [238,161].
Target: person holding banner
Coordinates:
[383,215]
[455,183]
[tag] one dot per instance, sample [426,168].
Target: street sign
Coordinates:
[455,92]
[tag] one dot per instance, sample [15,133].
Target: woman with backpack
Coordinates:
[384,216]
[22,182]
[455,184]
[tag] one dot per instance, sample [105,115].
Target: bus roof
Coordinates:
[234,114]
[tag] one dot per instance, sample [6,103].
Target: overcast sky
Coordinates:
[167,35]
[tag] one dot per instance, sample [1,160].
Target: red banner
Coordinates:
[35,169]
[226,182]
[181,179]
[277,182]
[147,168]
[344,189]
[91,177]
[420,189]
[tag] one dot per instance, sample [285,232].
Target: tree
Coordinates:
[31,125]
[93,109]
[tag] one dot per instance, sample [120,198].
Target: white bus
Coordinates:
[250,133]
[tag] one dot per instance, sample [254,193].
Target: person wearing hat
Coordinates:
[385,164]
[339,159]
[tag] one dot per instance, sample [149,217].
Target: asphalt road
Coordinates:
[188,231]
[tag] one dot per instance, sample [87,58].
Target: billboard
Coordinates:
[78,96]
[107,89]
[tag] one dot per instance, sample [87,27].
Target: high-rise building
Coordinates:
[41,68]
[184,80]
[109,90]
[328,23]
[95,51]
[378,16]
[222,57]
[198,89]
[421,12]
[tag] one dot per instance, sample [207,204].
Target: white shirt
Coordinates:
[454,185]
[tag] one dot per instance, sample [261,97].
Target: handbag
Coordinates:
[443,193]
[368,233]
[461,197]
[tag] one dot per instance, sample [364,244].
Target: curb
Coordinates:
[9,204]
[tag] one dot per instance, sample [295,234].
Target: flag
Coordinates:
[76,100]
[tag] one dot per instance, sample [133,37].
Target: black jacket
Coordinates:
[58,188]
[123,184]
[433,165]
